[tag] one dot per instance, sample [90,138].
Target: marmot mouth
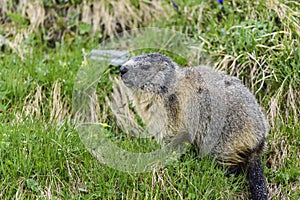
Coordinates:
[127,83]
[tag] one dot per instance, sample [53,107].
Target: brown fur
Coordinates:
[212,110]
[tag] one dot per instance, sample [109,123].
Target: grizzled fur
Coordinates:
[173,100]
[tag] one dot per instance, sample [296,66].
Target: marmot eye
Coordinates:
[145,67]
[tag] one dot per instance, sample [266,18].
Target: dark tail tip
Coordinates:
[256,179]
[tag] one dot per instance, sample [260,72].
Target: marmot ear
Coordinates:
[164,66]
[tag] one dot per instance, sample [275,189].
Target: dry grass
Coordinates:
[38,106]
[287,15]
[109,17]
[64,20]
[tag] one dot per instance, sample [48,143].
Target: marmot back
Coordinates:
[216,111]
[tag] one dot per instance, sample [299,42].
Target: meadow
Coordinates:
[43,45]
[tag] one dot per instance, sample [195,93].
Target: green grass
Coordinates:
[42,156]
[42,161]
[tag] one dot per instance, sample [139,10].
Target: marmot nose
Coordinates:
[123,70]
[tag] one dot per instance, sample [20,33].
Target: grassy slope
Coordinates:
[44,159]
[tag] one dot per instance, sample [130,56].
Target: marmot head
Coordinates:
[149,72]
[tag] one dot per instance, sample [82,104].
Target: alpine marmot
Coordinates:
[217,112]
